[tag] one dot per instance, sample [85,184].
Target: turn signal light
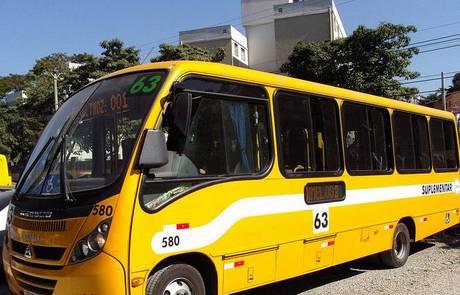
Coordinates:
[136,282]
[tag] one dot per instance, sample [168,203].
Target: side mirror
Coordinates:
[154,153]
[182,111]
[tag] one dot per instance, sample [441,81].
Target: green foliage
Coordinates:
[18,133]
[455,83]
[20,125]
[188,52]
[12,82]
[116,57]
[370,60]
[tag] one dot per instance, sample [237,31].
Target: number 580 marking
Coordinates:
[102,210]
[170,241]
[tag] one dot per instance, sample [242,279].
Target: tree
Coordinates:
[116,57]
[455,83]
[82,75]
[370,60]
[188,52]
[12,82]
[20,125]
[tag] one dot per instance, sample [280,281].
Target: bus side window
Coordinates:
[367,138]
[411,142]
[443,144]
[308,132]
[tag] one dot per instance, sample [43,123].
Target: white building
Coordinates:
[274,27]
[227,37]
[14,97]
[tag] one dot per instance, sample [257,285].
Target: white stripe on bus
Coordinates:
[202,236]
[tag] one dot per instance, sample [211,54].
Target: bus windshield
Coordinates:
[88,142]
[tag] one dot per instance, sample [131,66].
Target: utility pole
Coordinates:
[443,89]
[56,77]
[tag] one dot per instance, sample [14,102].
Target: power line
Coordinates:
[150,52]
[217,24]
[420,92]
[425,80]
[431,75]
[401,49]
[434,39]
[440,42]
[156,43]
[271,9]
[440,48]
[428,91]
[439,26]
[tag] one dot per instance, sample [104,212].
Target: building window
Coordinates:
[412,150]
[243,54]
[367,138]
[236,49]
[309,135]
[443,145]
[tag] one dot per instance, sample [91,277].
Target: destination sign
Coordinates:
[324,192]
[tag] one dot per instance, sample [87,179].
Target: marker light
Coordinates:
[92,244]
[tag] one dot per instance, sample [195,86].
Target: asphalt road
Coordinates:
[432,268]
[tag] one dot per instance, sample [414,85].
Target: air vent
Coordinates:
[39,225]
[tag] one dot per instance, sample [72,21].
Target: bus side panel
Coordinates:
[249,216]
[289,260]
[433,223]
[248,271]
[354,244]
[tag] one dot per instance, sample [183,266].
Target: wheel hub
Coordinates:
[400,247]
[178,287]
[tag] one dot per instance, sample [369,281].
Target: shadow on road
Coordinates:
[449,238]
[330,275]
[306,282]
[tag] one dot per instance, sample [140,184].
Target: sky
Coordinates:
[32,29]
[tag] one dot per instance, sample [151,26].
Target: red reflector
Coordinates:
[391,226]
[182,226]
[330,243]
[239,263]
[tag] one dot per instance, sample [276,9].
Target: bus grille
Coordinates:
[37,265]
[40,225]
[34,284]
[41,252]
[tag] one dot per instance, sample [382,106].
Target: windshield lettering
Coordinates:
[97,108]
[96,130]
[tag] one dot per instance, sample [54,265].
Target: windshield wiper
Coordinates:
[63,172]
[26,173]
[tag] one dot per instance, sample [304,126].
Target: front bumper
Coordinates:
[101,275]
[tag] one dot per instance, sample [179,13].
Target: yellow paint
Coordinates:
[273,247]
[5,178]
[258,268]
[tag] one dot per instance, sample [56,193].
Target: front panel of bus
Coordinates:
[68,223]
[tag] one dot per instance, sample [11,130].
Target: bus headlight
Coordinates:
[92,244]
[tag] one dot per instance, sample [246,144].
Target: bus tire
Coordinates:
[176,278]
[397,256]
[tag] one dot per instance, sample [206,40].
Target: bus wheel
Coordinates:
[176,279]
[397,256]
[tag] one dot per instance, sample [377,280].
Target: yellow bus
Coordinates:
[5,178]
[201,178]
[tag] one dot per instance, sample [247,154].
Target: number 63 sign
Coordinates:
[321,220]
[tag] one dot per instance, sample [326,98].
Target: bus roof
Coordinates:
[180,68]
